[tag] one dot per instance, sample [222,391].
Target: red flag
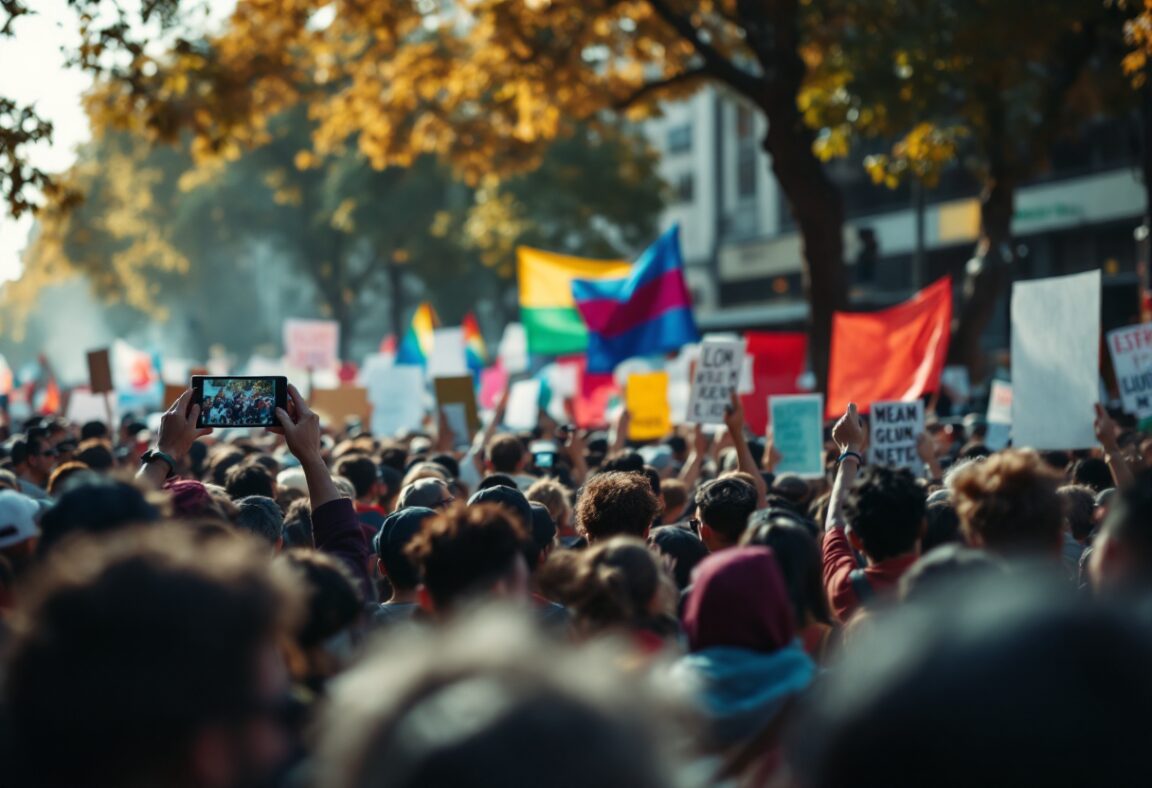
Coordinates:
[596,389]
[894,354]
[778,360]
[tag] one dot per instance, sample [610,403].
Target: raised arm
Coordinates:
[734,419]
[1106,433]
[848,435]
[690,473]
[178,431]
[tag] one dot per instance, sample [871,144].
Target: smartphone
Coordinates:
[543,454]
[239,401]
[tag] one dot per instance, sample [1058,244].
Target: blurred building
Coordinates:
[742,249]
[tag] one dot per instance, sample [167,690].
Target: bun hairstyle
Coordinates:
[618,584]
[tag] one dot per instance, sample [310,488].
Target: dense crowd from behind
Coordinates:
[312,605]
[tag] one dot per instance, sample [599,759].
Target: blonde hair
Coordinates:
[554,496]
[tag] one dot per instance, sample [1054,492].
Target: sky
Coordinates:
[41,79]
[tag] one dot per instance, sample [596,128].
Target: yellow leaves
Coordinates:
[832,143]
[306,160]
[923,153]
[342,219]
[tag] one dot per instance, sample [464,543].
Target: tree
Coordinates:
[994,84]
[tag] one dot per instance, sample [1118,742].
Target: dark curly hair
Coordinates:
[886,510]
[465,550]
[725,505]
[616,503]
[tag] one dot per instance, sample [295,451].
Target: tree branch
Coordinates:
[715,63]
[648,88]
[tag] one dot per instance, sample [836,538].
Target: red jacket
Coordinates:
[839,563]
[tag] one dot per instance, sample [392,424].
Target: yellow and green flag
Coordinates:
[547,310]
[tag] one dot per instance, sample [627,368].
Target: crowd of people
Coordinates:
[308,605]
[232,405]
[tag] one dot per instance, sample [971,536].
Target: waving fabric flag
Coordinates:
[416,347]
[551,321]
[895,354]
[475,351]
[649,311]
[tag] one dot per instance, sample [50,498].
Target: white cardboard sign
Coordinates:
[717,376]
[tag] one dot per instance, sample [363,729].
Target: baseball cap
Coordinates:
[17,518]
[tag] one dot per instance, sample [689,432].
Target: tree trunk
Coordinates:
[818,208]
[987,275]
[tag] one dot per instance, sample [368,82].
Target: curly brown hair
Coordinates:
[1008,503]
[616,503]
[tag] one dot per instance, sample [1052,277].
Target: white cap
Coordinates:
[17,518]
[292,478]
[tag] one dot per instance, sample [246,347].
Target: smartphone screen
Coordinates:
[544,460]
[239,401]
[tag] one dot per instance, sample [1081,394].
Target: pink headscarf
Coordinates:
[739,599]
[190,499]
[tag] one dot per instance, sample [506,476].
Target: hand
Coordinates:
[300,427]
[178,430]
[772,455]
[926,448]
[699,440]
[848,433]
[734,416]
[1106,429]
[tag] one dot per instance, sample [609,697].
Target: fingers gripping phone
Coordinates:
[239,401]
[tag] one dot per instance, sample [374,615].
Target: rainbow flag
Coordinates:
[416,347]
[547,309]
[646,312]
[475,351]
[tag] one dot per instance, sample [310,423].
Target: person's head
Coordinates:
[543,529]
[497,480]
[616,503]
[1121,557]
[1028,684]
[798,554]
[18,531]
[1079,510]
[98,506]
[249,478]
[221,462]
[149,657]
[424,470]
[674,495]
[506,454]
[364,475]
[427,493]
[951,565]
[33,456]
[94,430]
[682,548]
[739,600]
[1008,504]
[470,552]
[885,512]
[942,526]
[298,524]
[97,454]
[448,463]
[618,584]
[332,607]
[192,501]
[488,700]
[392,542]
[390,484]
[261,517]
[1092,472]
[723,507]
[63,474]
[554,496]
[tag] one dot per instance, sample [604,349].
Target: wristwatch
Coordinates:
[155,454]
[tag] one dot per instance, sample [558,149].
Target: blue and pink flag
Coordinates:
[646,313]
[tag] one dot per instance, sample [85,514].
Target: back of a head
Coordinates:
[127,645]
[725,505]
[1079,506]
[948,565]
[886,510]
[553,495]
[942,526]
[96,454]
[261,517]
[93,430]
[798,555]
[486,701]
[392,542]
[427,493]
[361,471]
[612,504]
[249,478]
[1092,472]
[1008,503]
[505,453]
[623,462]
[510,498]
[543,529]
[298,524]
[331,599]
[97,506]
[1021,681]
[466,551]
[675,497]
[222,461]
[680,546]
[739,600]
[498,480]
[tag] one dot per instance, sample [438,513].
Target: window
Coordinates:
[745,123]
[685,188]
[680,139]
[746,165]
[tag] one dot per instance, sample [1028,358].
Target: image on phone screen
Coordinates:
[239,401]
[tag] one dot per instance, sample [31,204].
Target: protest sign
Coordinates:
[523,405]
[99,372]
[1131,349]
[894,430]
[513,348]
[311,344]
[717,376]
[457,396]
[1055,361]
[172,393]
[646,397]
[447,359]
[798,434]
[999,415]
[85,406]
[397,398]
[493,382]
[336,406]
